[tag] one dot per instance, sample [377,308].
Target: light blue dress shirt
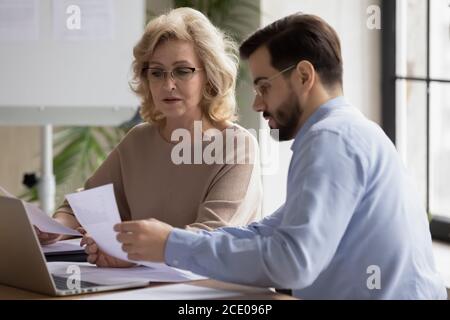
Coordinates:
[352,226]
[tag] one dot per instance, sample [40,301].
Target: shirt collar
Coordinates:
[319,114]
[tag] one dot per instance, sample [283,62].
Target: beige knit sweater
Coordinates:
[148,184]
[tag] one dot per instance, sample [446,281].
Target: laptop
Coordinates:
[22,262]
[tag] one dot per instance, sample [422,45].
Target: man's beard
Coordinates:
[287,119]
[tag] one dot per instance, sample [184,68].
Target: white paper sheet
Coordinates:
[91,273]
[19,20]
[47,224]
[42,220]
[169,292]
[96,210]
[63,246]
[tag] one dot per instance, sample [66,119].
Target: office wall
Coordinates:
[19,153]
[54,72]
[73,72]
[361,54]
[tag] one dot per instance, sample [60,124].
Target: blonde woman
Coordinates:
[185,73]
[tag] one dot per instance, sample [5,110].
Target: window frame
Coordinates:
[439,225]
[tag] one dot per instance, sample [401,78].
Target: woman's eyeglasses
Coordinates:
[179,73]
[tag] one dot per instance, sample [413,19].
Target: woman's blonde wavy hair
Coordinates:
[215,49]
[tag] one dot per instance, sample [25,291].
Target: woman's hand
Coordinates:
[143,239]
[99,258]
[46,238]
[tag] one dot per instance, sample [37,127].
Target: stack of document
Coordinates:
[71,246]
[112,276]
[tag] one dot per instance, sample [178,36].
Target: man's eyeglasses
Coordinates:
[179,73]
[261,87]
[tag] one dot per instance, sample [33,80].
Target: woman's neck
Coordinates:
[172,124]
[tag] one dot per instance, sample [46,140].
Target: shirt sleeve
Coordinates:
[325,182]
[235,194]
[264,228]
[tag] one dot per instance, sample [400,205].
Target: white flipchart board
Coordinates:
[67,62]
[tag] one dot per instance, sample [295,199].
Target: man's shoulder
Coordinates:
[350,125]
[350,131]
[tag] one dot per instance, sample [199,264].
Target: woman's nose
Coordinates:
[169,82]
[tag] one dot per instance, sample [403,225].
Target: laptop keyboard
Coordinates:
[61,283]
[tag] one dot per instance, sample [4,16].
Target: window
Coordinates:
[416,94]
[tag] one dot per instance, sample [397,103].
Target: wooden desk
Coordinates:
[10,293]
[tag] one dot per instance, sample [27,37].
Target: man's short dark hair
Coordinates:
[300,37]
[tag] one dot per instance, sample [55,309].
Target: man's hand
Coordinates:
[144,239]
[99,258]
